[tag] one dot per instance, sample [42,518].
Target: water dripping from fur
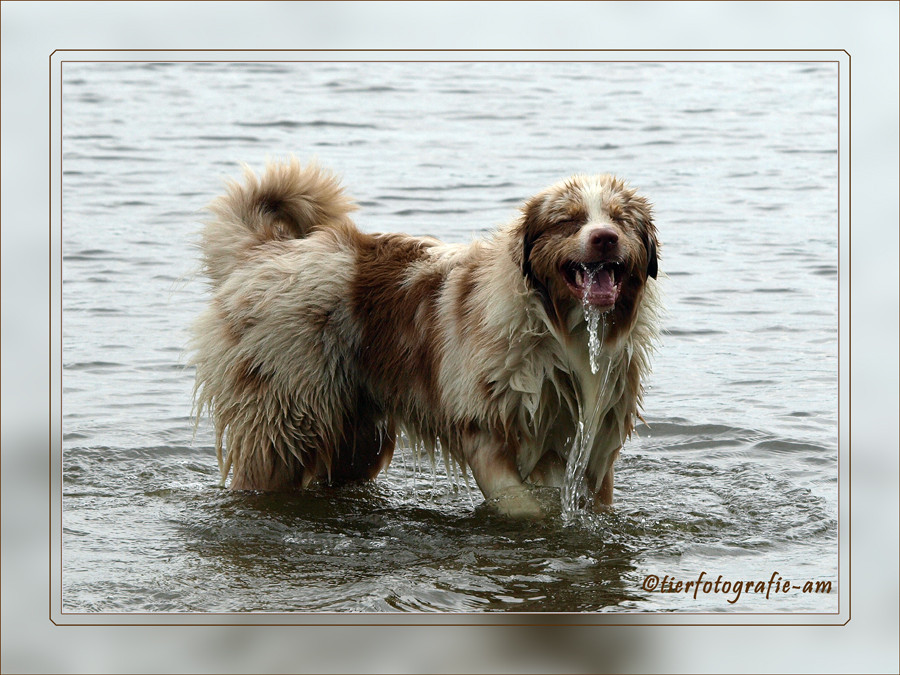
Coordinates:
[427,470]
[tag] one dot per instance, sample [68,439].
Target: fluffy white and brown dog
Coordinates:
[321,342]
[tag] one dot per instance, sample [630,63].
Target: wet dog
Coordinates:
[321,342]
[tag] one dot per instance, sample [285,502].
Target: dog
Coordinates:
[321,343]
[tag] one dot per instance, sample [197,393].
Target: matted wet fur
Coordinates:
[321,342]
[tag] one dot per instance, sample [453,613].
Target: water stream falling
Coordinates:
[574,491]
[593,317]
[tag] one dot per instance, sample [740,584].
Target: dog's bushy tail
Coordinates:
[288,201]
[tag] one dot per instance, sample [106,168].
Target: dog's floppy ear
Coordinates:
[528,231]
[643,214]
[652,254]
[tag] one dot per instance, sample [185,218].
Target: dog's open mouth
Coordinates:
[594,283]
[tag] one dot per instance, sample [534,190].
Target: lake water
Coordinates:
[735,473]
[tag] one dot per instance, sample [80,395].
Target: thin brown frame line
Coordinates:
[333,612]
[452,51]
[50,319]
[494,619]
[61,321]
[473,50]
[849,332]
[301,613]
[490,619]
[741,614]
[563,613]
[838,293]
[437,61]
[460,625]
[317,61]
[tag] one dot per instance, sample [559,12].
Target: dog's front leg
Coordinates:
[603,497]
[603,494]
[494,467]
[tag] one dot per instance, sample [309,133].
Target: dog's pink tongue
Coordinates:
[600,289]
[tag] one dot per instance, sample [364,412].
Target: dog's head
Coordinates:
[588,240]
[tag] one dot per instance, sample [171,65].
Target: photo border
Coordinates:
[59,617]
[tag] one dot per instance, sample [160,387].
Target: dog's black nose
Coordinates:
[603,240]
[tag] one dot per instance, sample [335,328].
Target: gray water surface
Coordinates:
[735,473]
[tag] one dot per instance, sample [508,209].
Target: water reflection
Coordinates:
[355,549]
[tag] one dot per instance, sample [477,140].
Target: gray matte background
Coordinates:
[31,31]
